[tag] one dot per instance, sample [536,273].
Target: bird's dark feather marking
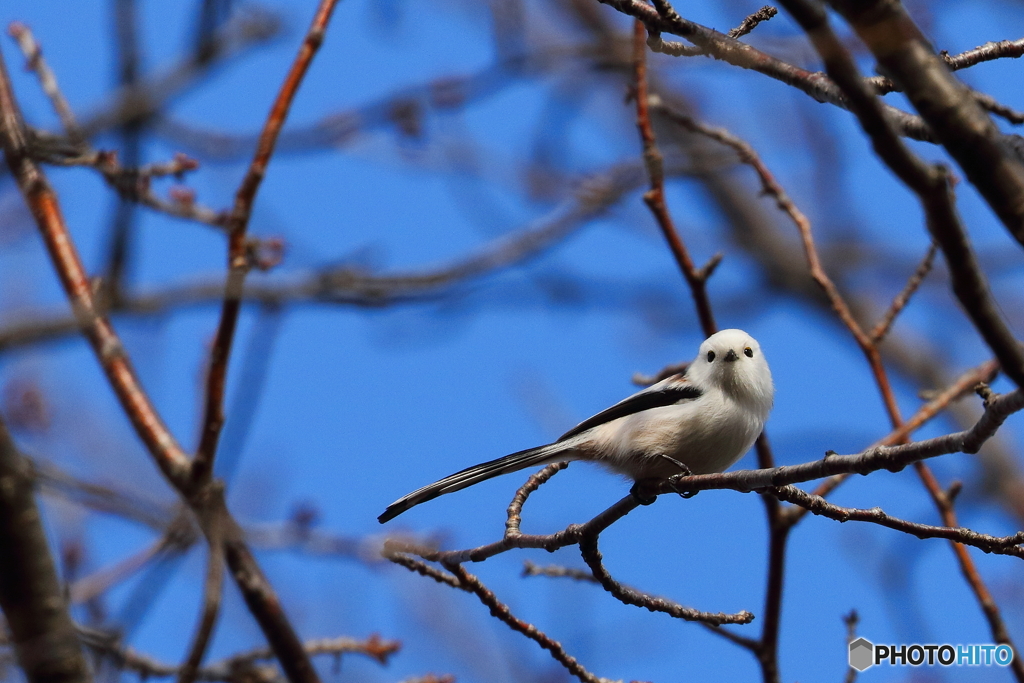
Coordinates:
[652,398]
[463,478]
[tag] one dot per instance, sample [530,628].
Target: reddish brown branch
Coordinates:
[655,197]
[42,202]
[903,298]
[238,254]
[963,385]
[971,138]
[944,502]
[160,443]
[771,187]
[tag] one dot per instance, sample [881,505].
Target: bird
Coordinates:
[697,421]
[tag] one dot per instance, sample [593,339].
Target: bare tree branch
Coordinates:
[30,593]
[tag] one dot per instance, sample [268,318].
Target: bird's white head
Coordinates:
[732,360]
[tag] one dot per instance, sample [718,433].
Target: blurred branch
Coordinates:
[251,27]
[47,79]
[531,569]
[404,110]
[132,183]
[212,591]
[232,669]
[55,481]
[346,285]
[165,450]
[954,116]
[30,592]
[92,586]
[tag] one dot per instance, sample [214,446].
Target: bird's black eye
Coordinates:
[711,356]
[748,352]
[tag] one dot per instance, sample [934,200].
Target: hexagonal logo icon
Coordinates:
[862,654]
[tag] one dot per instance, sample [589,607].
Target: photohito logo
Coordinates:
[865,654]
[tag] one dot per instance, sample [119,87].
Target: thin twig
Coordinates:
[47,79]
[92,586]
[1005,545]
[630,596]
[655,197]
[900,302]
[515,508]
[212,592]
[498,609]
[751,22]
[231,669]
[238,255]
[771,187]
[556,571]
[107,346]
[944,502]
[962,386]
[422,568]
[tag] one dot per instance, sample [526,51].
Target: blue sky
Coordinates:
[359,405]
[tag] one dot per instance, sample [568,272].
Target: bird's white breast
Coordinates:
[707,434]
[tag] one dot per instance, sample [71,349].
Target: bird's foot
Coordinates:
[684,471]
[673,481]
[641,491]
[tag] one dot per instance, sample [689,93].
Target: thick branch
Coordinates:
[44,637]
[160,443]
[952,113]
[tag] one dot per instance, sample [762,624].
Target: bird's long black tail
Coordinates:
[531,457]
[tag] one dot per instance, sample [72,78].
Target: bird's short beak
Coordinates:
[731,356]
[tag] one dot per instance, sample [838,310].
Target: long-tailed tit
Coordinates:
[698,421]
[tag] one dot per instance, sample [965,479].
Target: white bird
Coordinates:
[699,421]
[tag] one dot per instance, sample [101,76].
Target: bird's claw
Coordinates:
[641,492]
[673,483]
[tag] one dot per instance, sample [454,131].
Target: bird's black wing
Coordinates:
[665,393]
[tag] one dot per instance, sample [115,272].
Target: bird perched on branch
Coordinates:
[699,421]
